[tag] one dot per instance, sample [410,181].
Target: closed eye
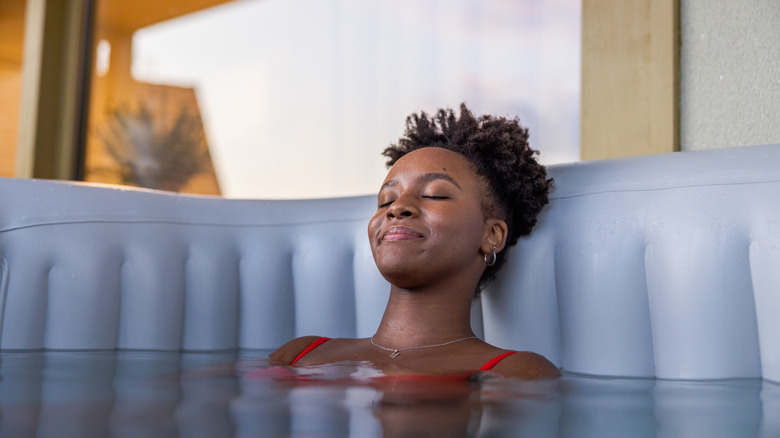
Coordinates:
[385,205]
[438,198]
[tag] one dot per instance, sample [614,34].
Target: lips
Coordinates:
[400,233]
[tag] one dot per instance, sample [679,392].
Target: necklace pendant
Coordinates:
[395,354]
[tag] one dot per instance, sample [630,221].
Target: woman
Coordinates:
[459,191]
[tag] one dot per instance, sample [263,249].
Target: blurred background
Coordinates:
[297,98]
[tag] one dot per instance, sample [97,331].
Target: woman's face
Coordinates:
[429,223]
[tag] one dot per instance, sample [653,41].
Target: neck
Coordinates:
[414,318]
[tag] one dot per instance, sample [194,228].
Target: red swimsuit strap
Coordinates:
[317,342]
[492,362]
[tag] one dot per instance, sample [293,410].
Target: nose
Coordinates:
[402,207]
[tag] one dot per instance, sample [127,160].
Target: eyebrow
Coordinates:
[433,176]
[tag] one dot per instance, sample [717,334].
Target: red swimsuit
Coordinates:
[319,341]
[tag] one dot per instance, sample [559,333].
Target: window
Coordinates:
[297,98]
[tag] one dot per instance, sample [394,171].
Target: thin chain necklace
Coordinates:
[395,352]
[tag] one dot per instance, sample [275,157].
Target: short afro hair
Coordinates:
[498,149]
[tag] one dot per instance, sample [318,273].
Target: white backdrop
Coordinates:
[299,97]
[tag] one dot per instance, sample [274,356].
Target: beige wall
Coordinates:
[10,86]
[665,75]
[629,78]
[11,37]
[729,73]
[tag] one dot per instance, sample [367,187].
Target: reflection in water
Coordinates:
[237,394]
[419,408]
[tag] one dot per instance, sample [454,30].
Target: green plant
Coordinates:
[151,154]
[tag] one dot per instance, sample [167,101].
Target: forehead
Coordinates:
[432,159]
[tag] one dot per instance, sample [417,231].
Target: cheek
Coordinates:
[373,228]
[467,229]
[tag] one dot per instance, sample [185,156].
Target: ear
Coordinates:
[494,238]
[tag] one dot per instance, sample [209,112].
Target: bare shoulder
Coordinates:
[285,354]
[527,365]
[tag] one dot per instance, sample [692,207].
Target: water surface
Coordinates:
[237,393]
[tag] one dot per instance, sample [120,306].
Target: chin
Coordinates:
[400,276]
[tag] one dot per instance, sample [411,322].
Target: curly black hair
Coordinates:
[497,147]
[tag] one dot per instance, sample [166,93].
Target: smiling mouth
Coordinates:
[400,233]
